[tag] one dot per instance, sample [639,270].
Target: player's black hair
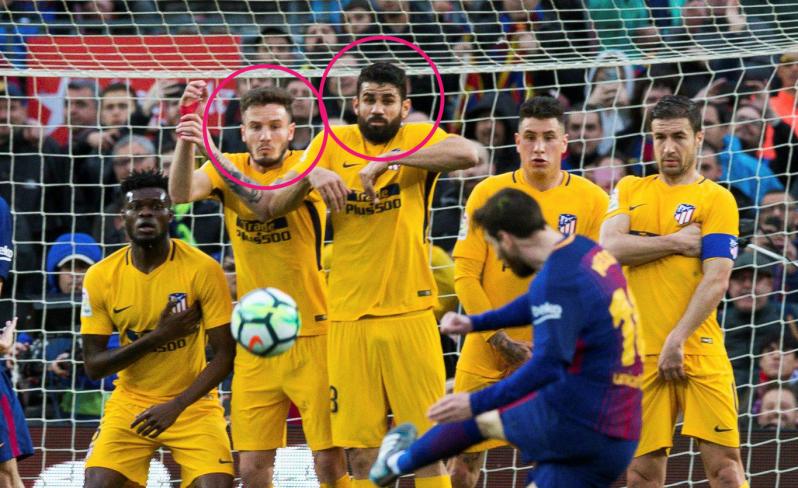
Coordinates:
[542,108]
[678,107]
[148,178]
[511,211]
[384,73]
[265,95]
[119,86]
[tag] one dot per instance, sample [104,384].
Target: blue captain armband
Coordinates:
[719,246]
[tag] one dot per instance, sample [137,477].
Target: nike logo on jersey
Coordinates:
[632,207]
[719,429]
[117,310]
[350,165]
[222,461]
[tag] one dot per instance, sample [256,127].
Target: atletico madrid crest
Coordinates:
[684,213]
[567,224]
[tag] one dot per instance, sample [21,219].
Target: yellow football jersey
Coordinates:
[117,297]
[380,261]
[284,253]
[576,206]
[663,288]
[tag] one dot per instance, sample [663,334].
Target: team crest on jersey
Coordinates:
[567,224]
[684,213]
[179,301]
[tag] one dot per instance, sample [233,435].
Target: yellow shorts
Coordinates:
[468,382]
[707,399]
[383,363]
[264,388]
[198,441]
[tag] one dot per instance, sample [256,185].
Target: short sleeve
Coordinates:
[94,316]
[214,295]
[312,151]
[470,241]
[217,183]
[437,136]
[619,200]
[598,211]
[720,227]
[6,244]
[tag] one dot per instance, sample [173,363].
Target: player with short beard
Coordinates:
[280,251]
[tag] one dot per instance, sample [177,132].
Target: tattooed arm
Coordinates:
[513,352]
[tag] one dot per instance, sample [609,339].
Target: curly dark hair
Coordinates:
[150,178]
[384,73]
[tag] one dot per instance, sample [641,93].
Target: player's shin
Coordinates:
[440,442]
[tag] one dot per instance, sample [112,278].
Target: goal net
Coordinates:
[89,90]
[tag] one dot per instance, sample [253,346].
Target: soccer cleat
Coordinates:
[397,440]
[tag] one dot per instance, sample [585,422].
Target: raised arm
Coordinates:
[452,153]
[187,184]
[632,250]
[705,300]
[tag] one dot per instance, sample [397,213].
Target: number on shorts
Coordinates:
[333,399]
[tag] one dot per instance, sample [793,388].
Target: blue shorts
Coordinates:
[14,435]
[567,454]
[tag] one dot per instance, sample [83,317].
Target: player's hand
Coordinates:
[368,176]
[174,325]
[157,419]
[688,240]
[455,324]
[194,97]
[330,186]
[7,336]
[451,408]
[190,129]
[671,360]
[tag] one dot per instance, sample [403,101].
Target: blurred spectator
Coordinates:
[20,20]
[752,316]
[340,89]
[617,22]
[607,172]
[110,17]
[779,409]
[229,267]
[306,113]
[320,43]
[163,109]
[275,46]
[777,225]
[492,124]
[777,366]
[450,193]
[783,102]
[81,106]
[67,262]
[708,164]
[585,134]
[31,181]
[611,88]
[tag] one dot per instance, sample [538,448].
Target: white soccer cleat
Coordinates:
[397,440]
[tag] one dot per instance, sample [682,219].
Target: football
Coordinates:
[266,322]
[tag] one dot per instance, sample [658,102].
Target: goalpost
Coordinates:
[607,60]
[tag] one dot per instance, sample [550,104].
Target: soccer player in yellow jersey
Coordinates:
[570,204]
[676,232]
[164,298]
[283,251]
[384,346]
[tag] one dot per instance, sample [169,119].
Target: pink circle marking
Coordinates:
[219,166]
[328,129]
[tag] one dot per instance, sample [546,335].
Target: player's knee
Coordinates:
[726,474]
[641,476]
[360,461]
[329,464]
[256,468]
[464,470]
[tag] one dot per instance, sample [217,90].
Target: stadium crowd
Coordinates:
[64,194]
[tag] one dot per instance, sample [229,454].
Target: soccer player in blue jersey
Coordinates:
[574,408]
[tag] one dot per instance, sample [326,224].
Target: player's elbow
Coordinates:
[469,156]
[93,370]
[613,244]
[178,195]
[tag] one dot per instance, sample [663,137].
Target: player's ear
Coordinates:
[355,103]
[699,138]
[517,142]
[243,133]
[291,131]
[406,106]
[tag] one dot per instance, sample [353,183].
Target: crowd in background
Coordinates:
[64,193]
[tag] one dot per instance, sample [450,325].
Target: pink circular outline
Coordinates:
[424,55]
[233,75]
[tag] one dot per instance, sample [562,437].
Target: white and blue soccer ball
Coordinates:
[266,322]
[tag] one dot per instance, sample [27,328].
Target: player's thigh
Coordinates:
[660,409]
[309,390]
[97,477]
[259,405]
[411,359]
[357,401]
[117,447]
[710,401]
[199,442]
[15,440]
[468,382]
